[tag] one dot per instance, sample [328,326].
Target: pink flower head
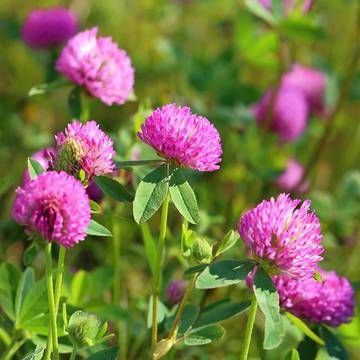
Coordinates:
[50,27]
[175,292]
[181,137]
[312,82]
[288,5]
[290,112]
[99,65]
[45,157]
[284,236]
[55,206]
[329,301]
[84,147]
[291,180]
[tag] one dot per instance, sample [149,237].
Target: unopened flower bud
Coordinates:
[69,156]
[201,250]
[83,328]
[175,292]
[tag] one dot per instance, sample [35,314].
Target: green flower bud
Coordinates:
[84,328]
[68,157]
[201,250]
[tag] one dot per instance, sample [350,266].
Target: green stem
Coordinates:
[59,277]
[52,310]
[5,337]
[156,283]
[249,329]
[116,242]
[12,349]
[121,326]
[73,353]
[58,287]
[175,325]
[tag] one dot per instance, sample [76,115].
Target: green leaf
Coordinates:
[150,246]
[302,28]
[37,354]
[47,88]
[195,269]
[334,347]
[106,354]
[224,273]
[103,278]
[80,287]
[188,238]
[126,164]
[161,315]
[205,335]
[9,279]
[97,229]
[74,102]
[307,349]
[228,242]
[356,285]
[26,282]
[304,328]
[268,299]
[35,303]
[108,312]
[34,168]
[220,312]
[113,189]
[95,207]
[150,194]
[317,277]
[40,325]
[30,254]
[184,197]
[191,312]
[292,355]
[259,10]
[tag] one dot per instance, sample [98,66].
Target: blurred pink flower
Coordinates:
[329,301]
[289,115]
[291,180]
[99,65]
[55,206]
[45,28]
[313,84]
[181,137]
[284,236]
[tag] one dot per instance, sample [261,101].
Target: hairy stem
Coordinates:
[73,353]
[249,329]
[51,300]
[12,349]
[175,325]
[156,283]
[58,288]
